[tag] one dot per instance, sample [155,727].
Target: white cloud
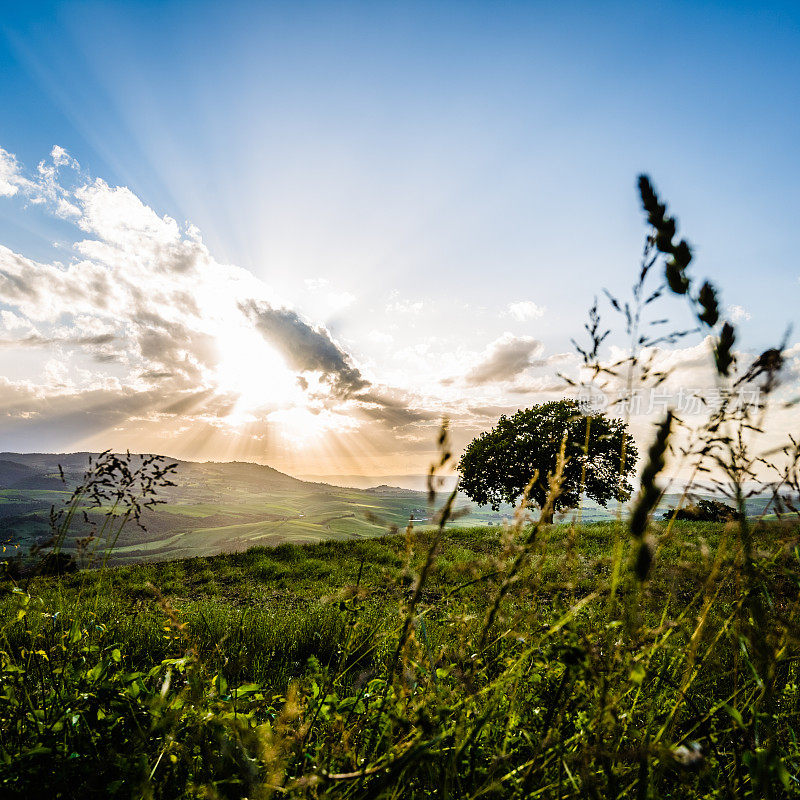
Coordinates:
[398,306]
[525,310]
[738,314]
[143,302]
[120,218]
[43,188]
[12,321]
[331,301]
[380,336]
[134,328]
[505,359]
[10,176]
[141,280]
[338,301]
[56,373]
[61,158]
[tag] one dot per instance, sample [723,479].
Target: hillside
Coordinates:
[214,508]
[226,507]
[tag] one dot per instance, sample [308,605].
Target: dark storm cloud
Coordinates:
[98,345]
[547,386]
[308,349]
[155,375]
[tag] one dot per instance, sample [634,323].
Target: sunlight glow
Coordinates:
[268,393]
[252,370]
[302,426]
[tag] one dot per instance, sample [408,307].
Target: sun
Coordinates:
[253,371]
[268,393]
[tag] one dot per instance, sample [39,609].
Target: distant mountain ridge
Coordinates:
[410,482]
[30,468]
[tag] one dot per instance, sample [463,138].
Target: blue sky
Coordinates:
[401,173]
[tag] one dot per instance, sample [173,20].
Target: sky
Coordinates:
[303,233]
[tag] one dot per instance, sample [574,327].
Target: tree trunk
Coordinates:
[547,518]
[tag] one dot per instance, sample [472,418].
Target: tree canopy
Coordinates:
[704,511]
[498,465]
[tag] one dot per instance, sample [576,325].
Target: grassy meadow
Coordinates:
[330,670]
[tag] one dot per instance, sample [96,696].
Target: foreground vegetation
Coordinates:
[325,670]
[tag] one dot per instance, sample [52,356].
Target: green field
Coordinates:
[570,679]
[214,508]
[183,529]
[301,652]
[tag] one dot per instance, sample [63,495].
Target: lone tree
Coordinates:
[498,465]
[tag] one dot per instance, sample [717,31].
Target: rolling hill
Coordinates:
[226,507]
[214,508]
